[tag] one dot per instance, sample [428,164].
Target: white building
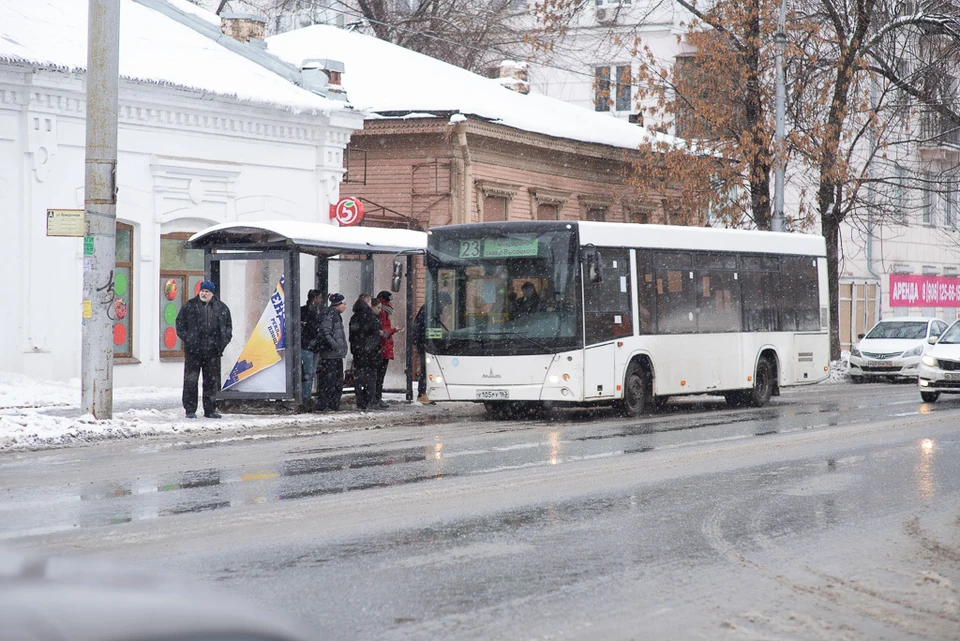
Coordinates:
[211,130]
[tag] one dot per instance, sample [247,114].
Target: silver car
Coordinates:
[940,366]
[892,348]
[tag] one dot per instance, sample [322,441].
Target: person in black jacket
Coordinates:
[365,346]
[310,315]
[331,350]
[205,328]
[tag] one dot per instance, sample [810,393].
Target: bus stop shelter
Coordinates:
[258,269]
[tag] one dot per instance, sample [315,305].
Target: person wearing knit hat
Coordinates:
[331,350]
[205,328]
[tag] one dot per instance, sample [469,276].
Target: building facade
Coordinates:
[232,141]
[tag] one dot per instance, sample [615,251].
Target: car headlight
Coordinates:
[929,361]
[854,351]
[916,351]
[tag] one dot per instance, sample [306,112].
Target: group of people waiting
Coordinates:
[205,327]
[324,344]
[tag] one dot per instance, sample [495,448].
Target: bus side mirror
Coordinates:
[594,264]
[397,276]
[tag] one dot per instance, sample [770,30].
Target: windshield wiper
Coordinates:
[513,333]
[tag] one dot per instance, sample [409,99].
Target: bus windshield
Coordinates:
[491,291]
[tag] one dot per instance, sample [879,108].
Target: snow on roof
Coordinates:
[314,238]
[153,48]
[382,77]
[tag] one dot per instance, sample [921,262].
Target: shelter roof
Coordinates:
[390,81]
[318,239]
[154,48]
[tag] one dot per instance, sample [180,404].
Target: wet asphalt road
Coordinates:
[832,513]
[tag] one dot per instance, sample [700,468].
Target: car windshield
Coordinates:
[899,329]
[951,336]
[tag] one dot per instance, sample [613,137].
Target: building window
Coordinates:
[900,194]
[181,272]
[928,202]
[494,208]
[122,308]
[949,215]
[615,90]
[547,211]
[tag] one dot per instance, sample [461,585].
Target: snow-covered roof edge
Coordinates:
[252,50]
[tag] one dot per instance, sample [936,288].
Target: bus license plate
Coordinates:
[493,395]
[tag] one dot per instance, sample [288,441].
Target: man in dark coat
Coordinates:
[331,350]
[205,328]
[365,334]
[310,315]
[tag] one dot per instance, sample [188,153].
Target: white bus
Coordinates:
[621,313]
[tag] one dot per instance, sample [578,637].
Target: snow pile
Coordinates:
[840,370]
[35,414]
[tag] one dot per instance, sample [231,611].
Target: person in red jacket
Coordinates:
[386,342]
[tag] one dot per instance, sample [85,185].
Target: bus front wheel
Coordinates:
[634,391]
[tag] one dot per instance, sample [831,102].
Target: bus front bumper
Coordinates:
[480,394]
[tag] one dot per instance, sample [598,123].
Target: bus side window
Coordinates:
[607,308]
[800,291]
[676,293]
[646,292]
[760,286]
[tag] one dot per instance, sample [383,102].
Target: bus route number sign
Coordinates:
[498,248]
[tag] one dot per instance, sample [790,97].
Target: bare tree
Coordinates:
[872,83]
[473,34]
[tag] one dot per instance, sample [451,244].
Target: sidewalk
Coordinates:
[44,414]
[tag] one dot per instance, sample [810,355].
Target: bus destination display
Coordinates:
[498,248]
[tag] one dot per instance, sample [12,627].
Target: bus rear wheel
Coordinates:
[634,391]
[763,382]
[760,393]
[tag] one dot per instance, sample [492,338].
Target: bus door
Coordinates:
[608,316]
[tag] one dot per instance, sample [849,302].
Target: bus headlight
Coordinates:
[554,379]
[436,379]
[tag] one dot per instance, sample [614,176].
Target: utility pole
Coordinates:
[100,205]
[780,161]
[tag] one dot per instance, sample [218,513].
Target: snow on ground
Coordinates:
[35,414]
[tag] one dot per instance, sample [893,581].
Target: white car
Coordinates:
[940,366]
[892,348]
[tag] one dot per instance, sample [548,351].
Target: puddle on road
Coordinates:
[304,476]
